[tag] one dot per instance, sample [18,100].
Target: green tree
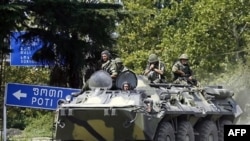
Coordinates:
[74,33]
[213,33]
[11,18]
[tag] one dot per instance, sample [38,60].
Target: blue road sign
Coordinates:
[35,96]
[22,53]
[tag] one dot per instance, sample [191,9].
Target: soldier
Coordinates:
[119,65]
[126,86]
[182,70]
[108,65]
[155,69]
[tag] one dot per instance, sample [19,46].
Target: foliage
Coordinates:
[27,75]
[11,18]
[73,33]
[42,125]
[213,33]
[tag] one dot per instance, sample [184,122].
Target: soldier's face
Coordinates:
[125,87]
[119,65]
[184,61]
[104,57]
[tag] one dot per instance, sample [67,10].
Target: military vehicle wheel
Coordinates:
[222,123]
[207,131]
[165,132]
[185,131]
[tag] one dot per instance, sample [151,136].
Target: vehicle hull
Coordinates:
[104,124]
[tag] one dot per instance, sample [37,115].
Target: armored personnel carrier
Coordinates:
[159,112]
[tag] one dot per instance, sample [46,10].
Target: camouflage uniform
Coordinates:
[152,75]
[120,66]
[185,68]
[109,67]
[182,71]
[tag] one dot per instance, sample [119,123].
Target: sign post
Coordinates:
[35,96]
[22,53]
[32,96]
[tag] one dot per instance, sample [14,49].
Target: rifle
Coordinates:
[192,82]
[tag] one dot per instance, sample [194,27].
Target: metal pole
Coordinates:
[52,133]
[1,128]
[4,122]
[4,115]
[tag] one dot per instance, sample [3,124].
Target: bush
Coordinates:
[41,126]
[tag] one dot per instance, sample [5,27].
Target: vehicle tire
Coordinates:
[222,123]
[165,132]
[207,131]
[185,131]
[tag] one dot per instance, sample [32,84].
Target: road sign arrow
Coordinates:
[18,94]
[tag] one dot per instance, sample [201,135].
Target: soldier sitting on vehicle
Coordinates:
[155,69]
[107,65]
[182,71]
[120,66]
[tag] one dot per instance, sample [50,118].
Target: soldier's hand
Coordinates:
[152,66]
[182,73]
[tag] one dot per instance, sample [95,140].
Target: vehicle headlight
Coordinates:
[68,98]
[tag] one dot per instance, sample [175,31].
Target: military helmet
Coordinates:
[184,56]
[106,52]
[153,58]
[118,60]
[126,82]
